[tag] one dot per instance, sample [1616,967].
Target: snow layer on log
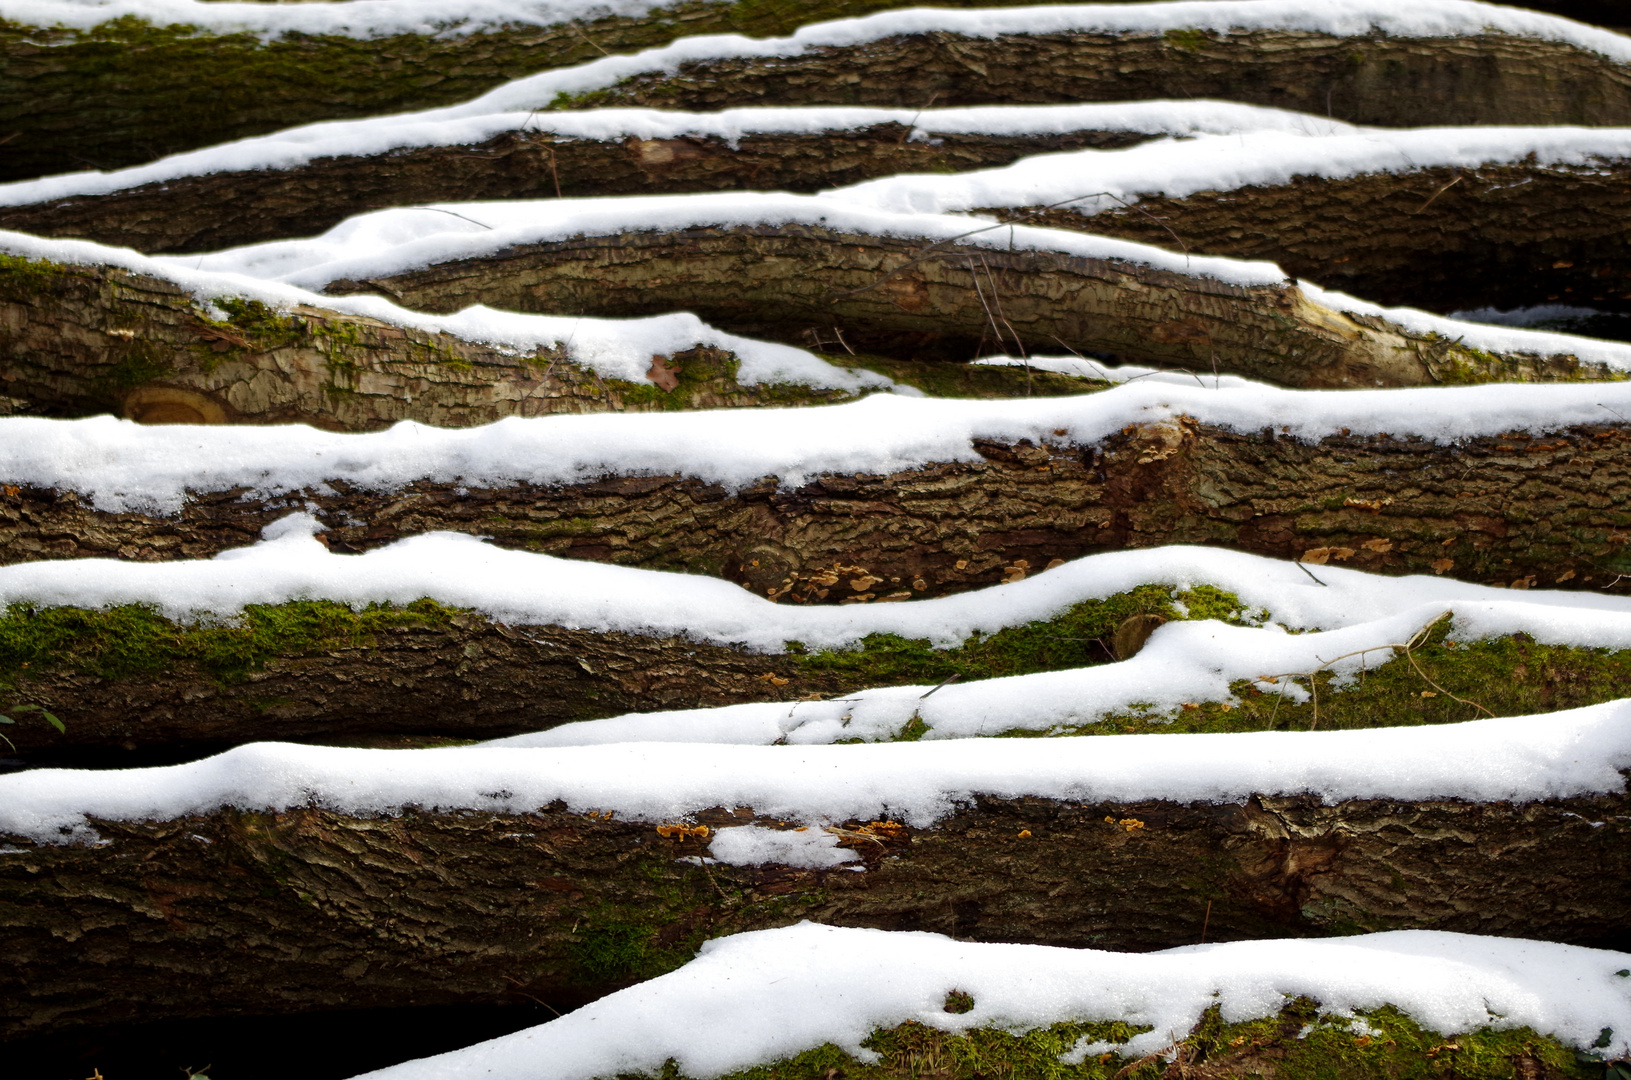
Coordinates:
[1511,759]
[759,997]
[1360,18]
[532,589]
[1182,662]
[121,465]
[452,127]
[387,242]
[1089,181]
[613,348]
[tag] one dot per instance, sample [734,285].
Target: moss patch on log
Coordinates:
[1299,1043]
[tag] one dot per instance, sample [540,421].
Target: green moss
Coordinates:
[1509,676]
[1187,40]
[1297,1044]
[135,640]
[1077,636]
[23,278]
[138,362]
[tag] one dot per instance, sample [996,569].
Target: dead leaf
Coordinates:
[1321,555]
[1441,565]
[663,374]
[1378,545]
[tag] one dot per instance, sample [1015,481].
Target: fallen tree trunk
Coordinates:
[233,913]
[135,88]
[226,209]
[1522,510]
[953,298]
[1441,238]
[1380,78]
[81,340]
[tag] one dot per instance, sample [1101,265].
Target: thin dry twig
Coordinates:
[1437,193]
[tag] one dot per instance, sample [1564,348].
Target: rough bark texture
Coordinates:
[128,91]
[1443,239]
[219,210]
[460,676]
[235,912]
[1390,81]
[955,300]
[1519,510]
[81,340]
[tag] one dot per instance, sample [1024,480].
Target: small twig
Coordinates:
[1437,193]
[1616,412]
[589,39]
[913,125]
[840,335]
[1309,572]
[1206,921]
[553,175]
[953,677]
[439,210]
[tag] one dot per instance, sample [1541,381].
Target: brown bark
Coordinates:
[218,210]
[1551,510]
[254,913]
[1444,239]
[953,299]
[80,340]
[1375,79]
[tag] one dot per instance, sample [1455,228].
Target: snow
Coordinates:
[380,134]
[120,465]
[612,348]
[532,589]
[1092,181]
[401,239]
[1182,663]
[758,997]
[754,845]
[1557,755]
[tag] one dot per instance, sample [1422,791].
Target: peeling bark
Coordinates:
[953,299]
[1444,239]
[1374,79]
[76,341]
[226,209]
[254,913]
[1548,511]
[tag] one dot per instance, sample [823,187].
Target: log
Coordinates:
[253,913]
[1382,78]
[226,209]
[81,340]
[1444,239]
[947,293]
[1550,510]
[135,88]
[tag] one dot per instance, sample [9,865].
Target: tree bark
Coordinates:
[227,209]
[1444,239]
[1552,511]
[954,299]
[236,912]
[81,340]
[1374,79]
[128,91]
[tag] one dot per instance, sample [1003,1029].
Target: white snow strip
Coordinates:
[381,134]
[1182,663]
[401,239]
[759,997]
[532,589]
[1519,759]
[753,845]
[612,348]
[121,465]
[1097,180]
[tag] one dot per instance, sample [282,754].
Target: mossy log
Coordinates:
[232,912]
[1444,239]
[82,340]
[1523,510]
[1376,79]
[953,299]
[226,209]
[129,91]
